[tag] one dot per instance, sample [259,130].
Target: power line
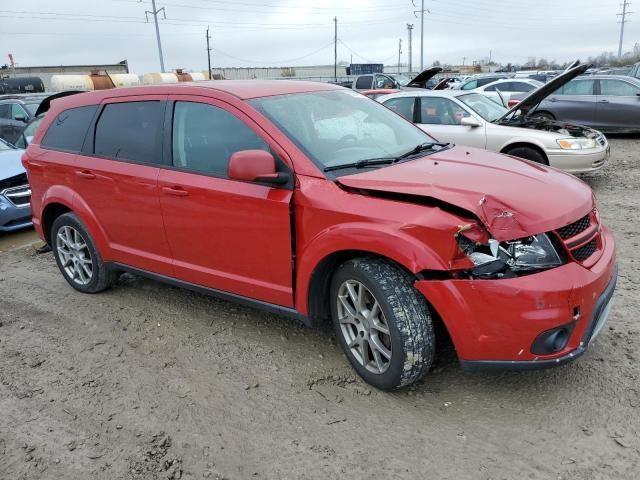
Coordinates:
[622,22]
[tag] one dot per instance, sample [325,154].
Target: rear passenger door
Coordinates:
[116,176]
[224,234]
[618,105]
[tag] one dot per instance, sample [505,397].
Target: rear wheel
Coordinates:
[382,323]
[528,153]
[77,257]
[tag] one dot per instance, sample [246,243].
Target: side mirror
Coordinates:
[255,166]
[470,122]
[20,118]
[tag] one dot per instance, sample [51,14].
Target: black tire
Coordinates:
[528,153]
[543,116]
[405,312]
[101,276]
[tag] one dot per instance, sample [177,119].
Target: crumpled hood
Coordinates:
[513,198]
[10,164]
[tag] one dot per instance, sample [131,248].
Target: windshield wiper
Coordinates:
[370,162]
[367,162]
[422,147]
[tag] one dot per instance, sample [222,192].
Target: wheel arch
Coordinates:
[525,144]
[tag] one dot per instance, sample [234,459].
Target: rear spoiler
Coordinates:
[45,105]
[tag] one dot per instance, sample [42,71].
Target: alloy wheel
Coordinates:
[74,255]
[364,327]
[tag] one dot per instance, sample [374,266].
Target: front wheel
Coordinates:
[383,324]
[77,256]
[528,153]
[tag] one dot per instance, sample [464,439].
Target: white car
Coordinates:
[507,87]
[470,118]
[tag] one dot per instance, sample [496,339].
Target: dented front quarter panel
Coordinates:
[329,219]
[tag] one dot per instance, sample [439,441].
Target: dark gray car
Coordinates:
[605,102]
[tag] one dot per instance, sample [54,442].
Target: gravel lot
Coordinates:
[147,381]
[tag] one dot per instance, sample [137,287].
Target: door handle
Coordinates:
[85,174]
[553,99]
[604,101]
[177,191]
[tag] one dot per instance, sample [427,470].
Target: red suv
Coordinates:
[312,201]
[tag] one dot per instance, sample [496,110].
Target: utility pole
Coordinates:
[463,60]
[155,13]
[410,30]
[399,52]
[421,12]
[622,22]
[490,56]
[335,50]
[208,52]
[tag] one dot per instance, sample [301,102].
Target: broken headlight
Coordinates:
[576,143]
[495,259]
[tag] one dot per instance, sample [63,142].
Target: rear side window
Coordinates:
[68,130]
[470,85]
[402,106]
[130,131]
[577,87]
[364,83]
[204,137]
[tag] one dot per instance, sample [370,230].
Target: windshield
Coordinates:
[340,127]
[402,80]
[5,146]
[483,106]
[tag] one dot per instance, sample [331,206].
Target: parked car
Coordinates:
[373,94]
[15,112]
[382,81]
[15,194]
[501,90]
[479,81]
[469,118]
[606,102]
[246,190]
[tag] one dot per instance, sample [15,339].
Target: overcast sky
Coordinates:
[300,32]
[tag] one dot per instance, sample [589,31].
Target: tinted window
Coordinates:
[618,88]
[130,131]
[5,110]
[577,87]
[521,87]
[470,85]
[68,130]
[485,81]
[402,106]
[441,111]
[364,83]
[204,137]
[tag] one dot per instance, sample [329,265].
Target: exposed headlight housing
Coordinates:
[495,259]
[576,143]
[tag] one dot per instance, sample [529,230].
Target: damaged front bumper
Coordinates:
[494,323]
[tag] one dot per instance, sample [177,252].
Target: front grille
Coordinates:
[19,196]
[584,252]
[574,228]
[15,181]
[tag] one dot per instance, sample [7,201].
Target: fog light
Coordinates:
[552,341]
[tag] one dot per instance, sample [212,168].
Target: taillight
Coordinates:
[513,103]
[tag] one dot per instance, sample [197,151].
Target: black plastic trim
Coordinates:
[250,302]
[501,365]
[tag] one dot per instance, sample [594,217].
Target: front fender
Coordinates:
[383,240]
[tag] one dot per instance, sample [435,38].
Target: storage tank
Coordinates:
[125,79]
[198,76]
[60,83]
[158,78]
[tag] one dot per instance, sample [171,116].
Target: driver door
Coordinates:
[224,234]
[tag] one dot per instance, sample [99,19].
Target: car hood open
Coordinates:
[513,198]
[536,96]
[10,163]
[420,80]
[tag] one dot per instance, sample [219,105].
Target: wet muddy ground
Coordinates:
[147,381]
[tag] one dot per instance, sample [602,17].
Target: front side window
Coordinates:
[68,130]
[130,131]
[577,87]
[486,108]
[470,85]
[339,127]
[383,81]
[441,111]
[403,106]
[18,112]
[618,88]
[205,137]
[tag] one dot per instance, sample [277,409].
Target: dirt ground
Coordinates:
[147,381]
